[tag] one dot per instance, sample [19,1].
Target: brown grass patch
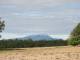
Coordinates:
[43,53]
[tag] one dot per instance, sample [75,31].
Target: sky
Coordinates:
[51,17]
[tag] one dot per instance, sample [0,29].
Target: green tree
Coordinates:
[76,31]
[75,36]
[2,25]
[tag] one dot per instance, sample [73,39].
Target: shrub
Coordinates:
[75,36]
[74,41]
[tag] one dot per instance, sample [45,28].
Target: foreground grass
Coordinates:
[43,53]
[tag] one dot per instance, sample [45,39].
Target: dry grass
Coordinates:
[45,53]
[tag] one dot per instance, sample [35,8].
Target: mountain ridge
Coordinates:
[39,37]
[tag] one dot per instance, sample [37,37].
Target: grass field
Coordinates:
[43,53]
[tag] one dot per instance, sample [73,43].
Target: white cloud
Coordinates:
[10,35]
[60,36]
[43,16]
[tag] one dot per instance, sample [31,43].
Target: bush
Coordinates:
[75,36]
[74,41]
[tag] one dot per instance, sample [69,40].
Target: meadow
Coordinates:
[41,53]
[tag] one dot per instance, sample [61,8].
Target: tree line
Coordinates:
[14,43]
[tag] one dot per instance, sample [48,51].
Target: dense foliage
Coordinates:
[74,41]
[2,25]
[30,43]
[75,36]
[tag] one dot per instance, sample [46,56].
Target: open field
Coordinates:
[44,53]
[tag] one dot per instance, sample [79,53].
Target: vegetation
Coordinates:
[30,43]
[75,36]
[2,25]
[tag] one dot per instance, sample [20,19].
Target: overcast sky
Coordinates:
[40,16]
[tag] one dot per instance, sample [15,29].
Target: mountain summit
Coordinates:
[38,37]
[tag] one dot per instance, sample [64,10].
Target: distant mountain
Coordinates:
[38,37]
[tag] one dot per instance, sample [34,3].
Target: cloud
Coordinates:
[34,2]
[29,1]
[40,16]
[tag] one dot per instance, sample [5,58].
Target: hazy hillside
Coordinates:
[38,37]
